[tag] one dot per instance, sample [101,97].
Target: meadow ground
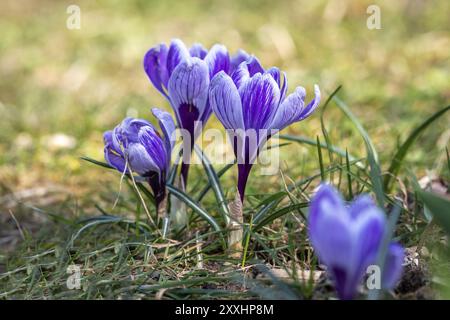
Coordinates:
[60,89]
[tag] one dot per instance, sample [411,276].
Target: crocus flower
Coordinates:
[135,145]
[348,239]
[183,76]
[252,105]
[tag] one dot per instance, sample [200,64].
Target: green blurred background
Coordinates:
[60,88]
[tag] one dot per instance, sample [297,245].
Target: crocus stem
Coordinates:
[243,172]
[160,194]
[235,228]
[184,172]
[162,207]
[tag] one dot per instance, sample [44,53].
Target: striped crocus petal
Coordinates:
[168,128]
[217,60]
[140,161]
[281,80]
[226,102]
[155,61]
[188,91]
[237,59]
[240,75]
[113,155]
[198,51]
[260,97]
[177,53]
[254,66]
[293,108]
[155,148]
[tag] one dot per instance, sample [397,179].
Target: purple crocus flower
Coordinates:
[348,240]
[183,76]
[252,106]
[136,145]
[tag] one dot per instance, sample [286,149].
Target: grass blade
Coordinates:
[194,206]
[278,197]
[313,143]
[215,184]
[372,155]
[220,173]
[324,129]
[141,186]
[397,160]
[279,213]
[247,242]
[349,176]
[358,126]
[438,206]
[96,162]
[448,160]
[319,151]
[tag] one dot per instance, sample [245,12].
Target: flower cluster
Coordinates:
[252,104]
[243,95]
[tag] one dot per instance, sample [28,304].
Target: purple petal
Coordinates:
[260,97]
[188,87]
[237,59]
[347,240]
[198,51]
[254,66]
[309,109]
[293,109]
[139,160]
[177,54]
[284,87]
[368,229]
[240,75]
[155,150]
[217,60]
[167,126]
[280,78]
[327,212]
[289,109]
[360,205]
[275,73]
[393,266]
[113,156]
[331,238]
[155,67]
[226,102]
[128,130]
